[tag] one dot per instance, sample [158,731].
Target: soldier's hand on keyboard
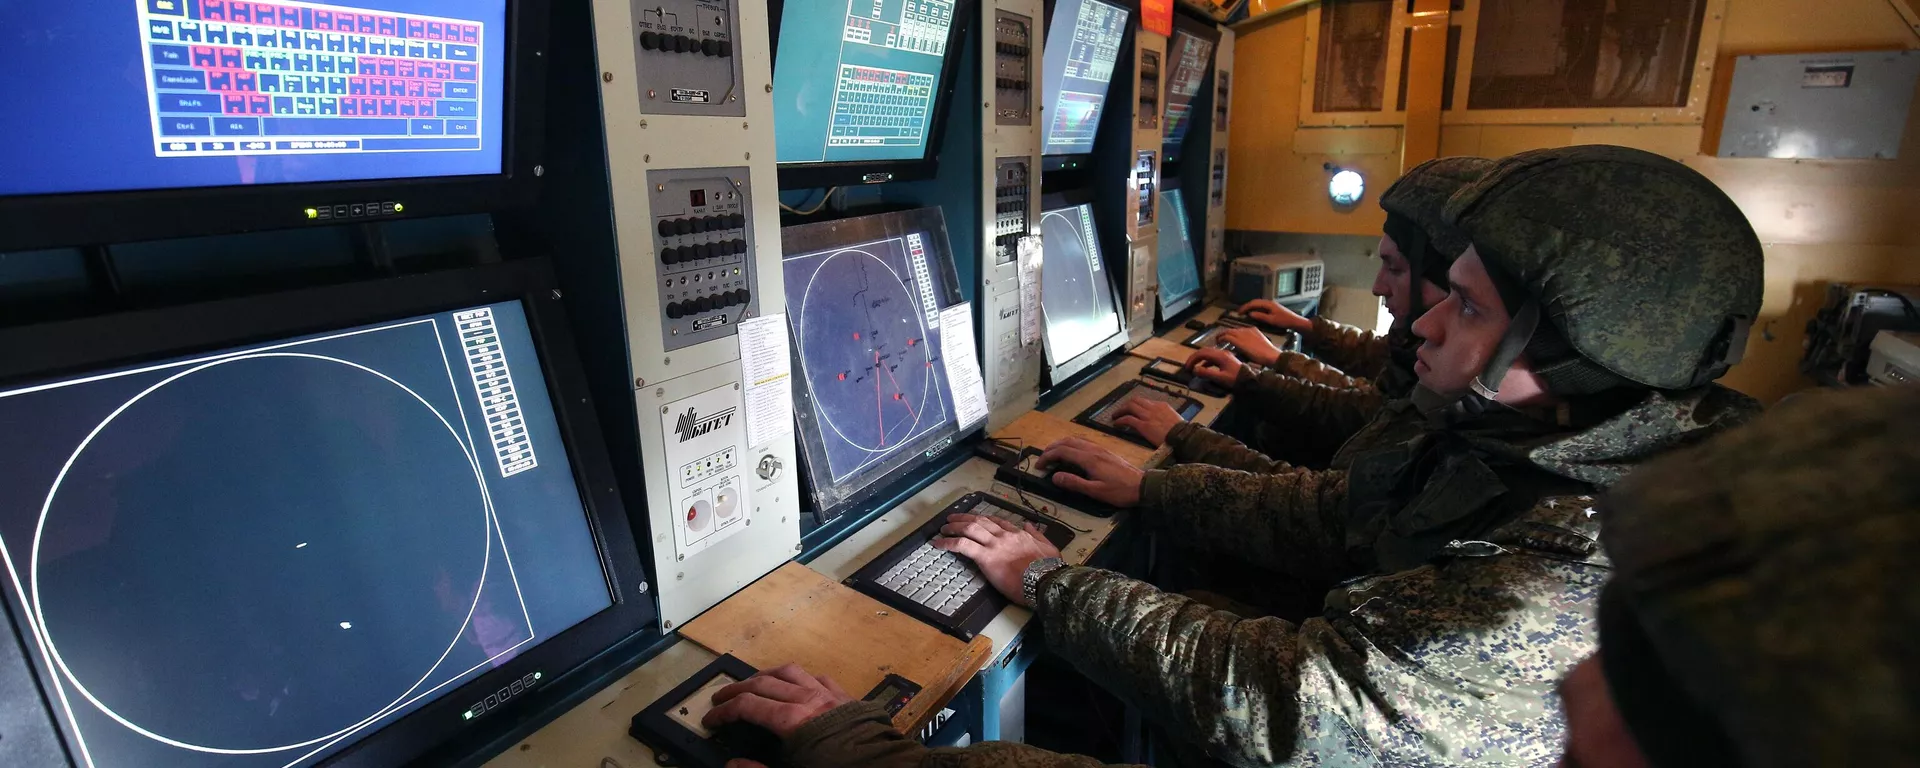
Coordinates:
[1216,365]
[1151,418]
[1253,345]
[1103,476]
[780,700]
[1270,312]
[1000,548]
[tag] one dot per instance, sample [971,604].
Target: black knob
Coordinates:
[712,223]
[703,304]
[710,47]
[682,227]
[649,40]
[669,256]
[675,311]
[736,221]
[666,228]
[746,296]
[679,43]
[739,246]
[703,251]
[726,48]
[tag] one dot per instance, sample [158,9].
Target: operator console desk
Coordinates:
[594,733]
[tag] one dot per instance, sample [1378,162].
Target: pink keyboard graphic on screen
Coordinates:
[231,78]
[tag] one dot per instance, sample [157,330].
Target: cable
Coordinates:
[824,199]
[1912,314]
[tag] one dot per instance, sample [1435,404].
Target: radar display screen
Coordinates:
[863,303]
[1076,291]
[858,80]
[256,557]
[1083,44]
[1179,275]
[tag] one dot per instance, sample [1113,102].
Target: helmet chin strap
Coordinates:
[1483,392]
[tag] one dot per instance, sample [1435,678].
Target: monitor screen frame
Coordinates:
[1080,361]
[827,501]
[1068,160]
[33,222]
[1185,302]
[1184,24]
[37,353]
[855,172]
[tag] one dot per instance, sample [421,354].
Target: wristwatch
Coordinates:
[1036,571]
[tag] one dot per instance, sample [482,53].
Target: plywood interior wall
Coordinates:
[1821,221]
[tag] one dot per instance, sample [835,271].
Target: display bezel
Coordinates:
[38,353]
[30,222]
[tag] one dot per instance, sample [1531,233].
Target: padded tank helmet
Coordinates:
[1415,206]
[1620,267]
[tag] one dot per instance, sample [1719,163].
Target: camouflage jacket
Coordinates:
[1393,674]
[1350,350]
[1449,660]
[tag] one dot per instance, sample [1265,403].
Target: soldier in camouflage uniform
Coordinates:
[1762,610]
[1304,409]
[1467,549]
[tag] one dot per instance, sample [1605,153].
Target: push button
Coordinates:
[710,47]
[666,228]
[649,40]
[682,227]
[675,311]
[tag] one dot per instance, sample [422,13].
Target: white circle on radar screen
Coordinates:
[913,307]
[1346,187]
[46,636]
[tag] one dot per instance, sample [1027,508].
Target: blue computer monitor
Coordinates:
[860,87]
[1077,300]
[1190,60]
[1179,274]
[1083,44]
[143,96]
[358,538]
[871,393]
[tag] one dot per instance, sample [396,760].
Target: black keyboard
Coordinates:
[940,587]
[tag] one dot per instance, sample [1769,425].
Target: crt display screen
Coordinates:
[864,315]
[856,80]
[1083,42]
[1076,295]
[1179,276]
[255,557]
[1191,56]
[115,95]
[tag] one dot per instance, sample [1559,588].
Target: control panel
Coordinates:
[1149,114]
[1011,194]
[1217,180]
[701,236]
[1145,181]
[684,58]
[1220,94]
[1012,68]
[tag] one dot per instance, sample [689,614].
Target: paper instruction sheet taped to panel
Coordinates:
[963,365]
[766,364]
[1030,266]
[704,436]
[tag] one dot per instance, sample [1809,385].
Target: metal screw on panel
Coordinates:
[606,77]
[651,94]
[637,383]
[749,155]
[663,409]
[736,386]
[539,170]
[661,392]
[643,587]
[743,125]
[643,123]
[669,361]
[556,293]
[646,158]
[666,625]
[769,87]
[659,187]
[735,97]
[796,547]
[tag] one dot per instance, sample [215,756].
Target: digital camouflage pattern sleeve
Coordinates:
[1190,443]
[1353,351]
[1305,422]
[1304,368]
[1291,521]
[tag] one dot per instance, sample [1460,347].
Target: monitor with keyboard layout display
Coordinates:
[1083,45]
[872,397]
[861,83]
[170,94]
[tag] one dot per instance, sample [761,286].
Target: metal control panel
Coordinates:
[1009,199]
[1149,93]
[1146,187]
[702,236]
[684,55]
[1012,195]
[1012,68]
[1213,254]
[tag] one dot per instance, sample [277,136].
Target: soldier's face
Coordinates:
[1459,334]
[1596,736]
[1391,283]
